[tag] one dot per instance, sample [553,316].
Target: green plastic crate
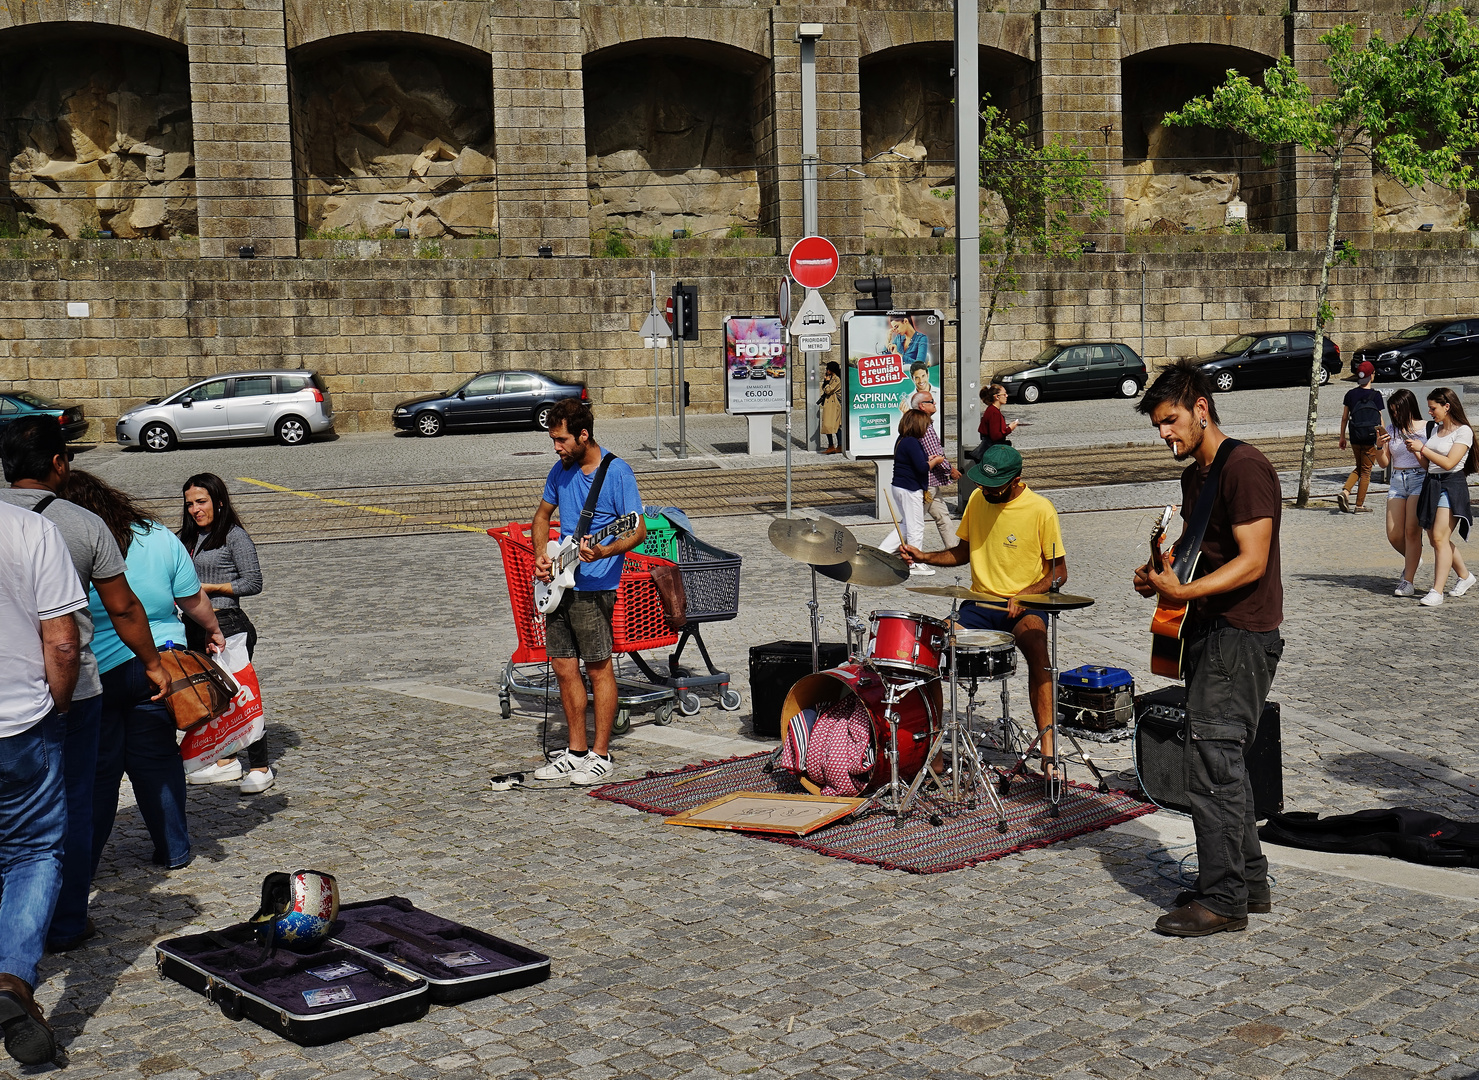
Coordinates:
[662,539]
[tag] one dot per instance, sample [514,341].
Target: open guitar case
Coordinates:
[402,951]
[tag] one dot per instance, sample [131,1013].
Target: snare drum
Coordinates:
[985,654]
[900,641]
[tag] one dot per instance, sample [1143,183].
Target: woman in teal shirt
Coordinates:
[138,735]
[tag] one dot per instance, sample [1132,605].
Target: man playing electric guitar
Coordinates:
[1232,646]
[580,628]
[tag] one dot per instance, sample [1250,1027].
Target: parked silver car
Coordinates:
[291,406]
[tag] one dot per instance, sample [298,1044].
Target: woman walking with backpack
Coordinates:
[1403,532]
[1362,411]
[1449,455]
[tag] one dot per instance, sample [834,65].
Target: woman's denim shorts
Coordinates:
[1406,483]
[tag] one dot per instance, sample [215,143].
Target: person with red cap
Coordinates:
[1362,412]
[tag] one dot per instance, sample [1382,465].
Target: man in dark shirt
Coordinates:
[1361,410]
[1232,648]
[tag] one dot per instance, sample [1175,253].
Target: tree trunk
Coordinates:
[1307,461]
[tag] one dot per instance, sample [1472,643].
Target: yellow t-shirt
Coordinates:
[1011,543]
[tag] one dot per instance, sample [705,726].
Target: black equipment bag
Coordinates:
[457,962]
[1403,833]
[1160,737]
[232,968]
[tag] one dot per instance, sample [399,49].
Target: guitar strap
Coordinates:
[583,526]
[1190,545]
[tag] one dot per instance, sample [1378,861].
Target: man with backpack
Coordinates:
[1362,412]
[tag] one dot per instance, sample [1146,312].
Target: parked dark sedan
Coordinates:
[1078,370]
[1426,349]
[1270,358]
[494,397]
[15,404]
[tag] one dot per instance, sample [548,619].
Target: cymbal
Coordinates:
[822,542]
[957,592]
[1054,601]
[869,567]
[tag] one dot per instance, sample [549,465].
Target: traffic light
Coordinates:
[685,312]
[877,293]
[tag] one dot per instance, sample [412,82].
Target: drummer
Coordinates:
[1010,536]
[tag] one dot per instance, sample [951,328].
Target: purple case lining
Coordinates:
[396,911]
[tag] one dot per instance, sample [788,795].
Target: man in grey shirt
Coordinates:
[35,459]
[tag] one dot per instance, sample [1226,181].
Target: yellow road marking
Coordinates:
[358,506]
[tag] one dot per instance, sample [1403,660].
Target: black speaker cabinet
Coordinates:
[774,669]
[1160,735]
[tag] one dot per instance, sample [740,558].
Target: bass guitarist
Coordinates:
[580,628]
[1232,646]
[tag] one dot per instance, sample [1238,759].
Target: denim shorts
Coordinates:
[1406,483]
[581,626]
[974,616]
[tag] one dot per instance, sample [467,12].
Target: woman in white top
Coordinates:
[1403,532]
[1449,455]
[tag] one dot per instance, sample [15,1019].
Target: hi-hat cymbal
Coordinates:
[1054,601]
[820,542]
[957,592]
[869,567]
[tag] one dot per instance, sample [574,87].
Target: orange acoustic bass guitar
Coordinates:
[1167,646]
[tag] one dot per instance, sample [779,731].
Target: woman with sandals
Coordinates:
[1408,472]
[1448,454]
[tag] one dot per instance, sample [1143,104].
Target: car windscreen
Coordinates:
[36,401]
[1046,355]
[1420,331]
[1238,344]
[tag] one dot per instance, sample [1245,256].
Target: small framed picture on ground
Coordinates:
[756,811]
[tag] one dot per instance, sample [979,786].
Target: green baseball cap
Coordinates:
[999,465]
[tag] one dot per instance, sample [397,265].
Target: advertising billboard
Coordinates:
[754,365]
[893,365]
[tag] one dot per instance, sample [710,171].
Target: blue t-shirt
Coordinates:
[158,570]
[567,489]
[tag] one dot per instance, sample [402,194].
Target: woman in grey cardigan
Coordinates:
[226,562]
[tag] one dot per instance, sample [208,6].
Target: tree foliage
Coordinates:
[1408,106]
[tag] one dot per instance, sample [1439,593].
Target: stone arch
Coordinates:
[1193,178]
[392,131]
[310,22]
[881,31]
[95,132]
[672,130]
[907,116]
[154,19]
[744,35]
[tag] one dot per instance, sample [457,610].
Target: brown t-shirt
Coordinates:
[1249,490]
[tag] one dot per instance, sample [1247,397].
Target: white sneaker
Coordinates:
[215,774]
[595,769]
[920,570]
[1404,588]
[1464,585]
[254,782]
[1433,599]
[561,767]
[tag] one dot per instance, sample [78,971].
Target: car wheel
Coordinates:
[428,424]
[157,437]
[541,416]
[1129,387]
[1324,375]
[1411,369]
[292,431]
[1029,394]
[1224,381]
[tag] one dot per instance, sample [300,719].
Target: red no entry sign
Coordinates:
[813,262]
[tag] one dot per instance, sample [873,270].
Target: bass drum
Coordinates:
[918,714]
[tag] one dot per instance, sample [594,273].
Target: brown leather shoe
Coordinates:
[1255,907]
[28,1037]
[1193,920]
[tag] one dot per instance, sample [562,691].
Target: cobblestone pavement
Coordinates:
[685,953]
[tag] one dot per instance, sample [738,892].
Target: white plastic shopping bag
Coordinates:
[238,727]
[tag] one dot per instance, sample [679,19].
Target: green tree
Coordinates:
[1406,106]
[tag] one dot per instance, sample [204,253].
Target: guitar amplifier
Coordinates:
[1160,735]
[774,669]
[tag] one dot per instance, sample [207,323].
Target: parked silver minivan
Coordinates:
[291,406]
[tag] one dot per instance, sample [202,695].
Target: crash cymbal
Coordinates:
[869,567]
[820,542]
[1054,601]
[956,592]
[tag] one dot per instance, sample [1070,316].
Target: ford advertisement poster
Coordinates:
[754,365]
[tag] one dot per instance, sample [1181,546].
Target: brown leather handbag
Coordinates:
[669,582]
[199,689]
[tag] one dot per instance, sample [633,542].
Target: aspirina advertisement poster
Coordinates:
[893,365]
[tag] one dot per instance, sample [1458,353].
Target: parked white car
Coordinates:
[291,406]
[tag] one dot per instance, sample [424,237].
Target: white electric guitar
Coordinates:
[566,557]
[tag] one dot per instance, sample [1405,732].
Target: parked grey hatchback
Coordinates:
[290,406]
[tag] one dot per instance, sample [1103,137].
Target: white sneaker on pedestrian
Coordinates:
[920,570]
[561,767]
[1433,599]
[1404,588]
[595,770]
[1464,585]
[254,782]
[215,774]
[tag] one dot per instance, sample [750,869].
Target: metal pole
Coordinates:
[967,231]
[790,382]
[1142,309]
[656,384]
[809,224]
[682,405]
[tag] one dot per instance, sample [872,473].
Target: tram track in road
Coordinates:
[279,514]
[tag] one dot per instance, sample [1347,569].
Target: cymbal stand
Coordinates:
[857,629]
[892,796]
[816,624]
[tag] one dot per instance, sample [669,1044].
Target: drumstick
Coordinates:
[691,779]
